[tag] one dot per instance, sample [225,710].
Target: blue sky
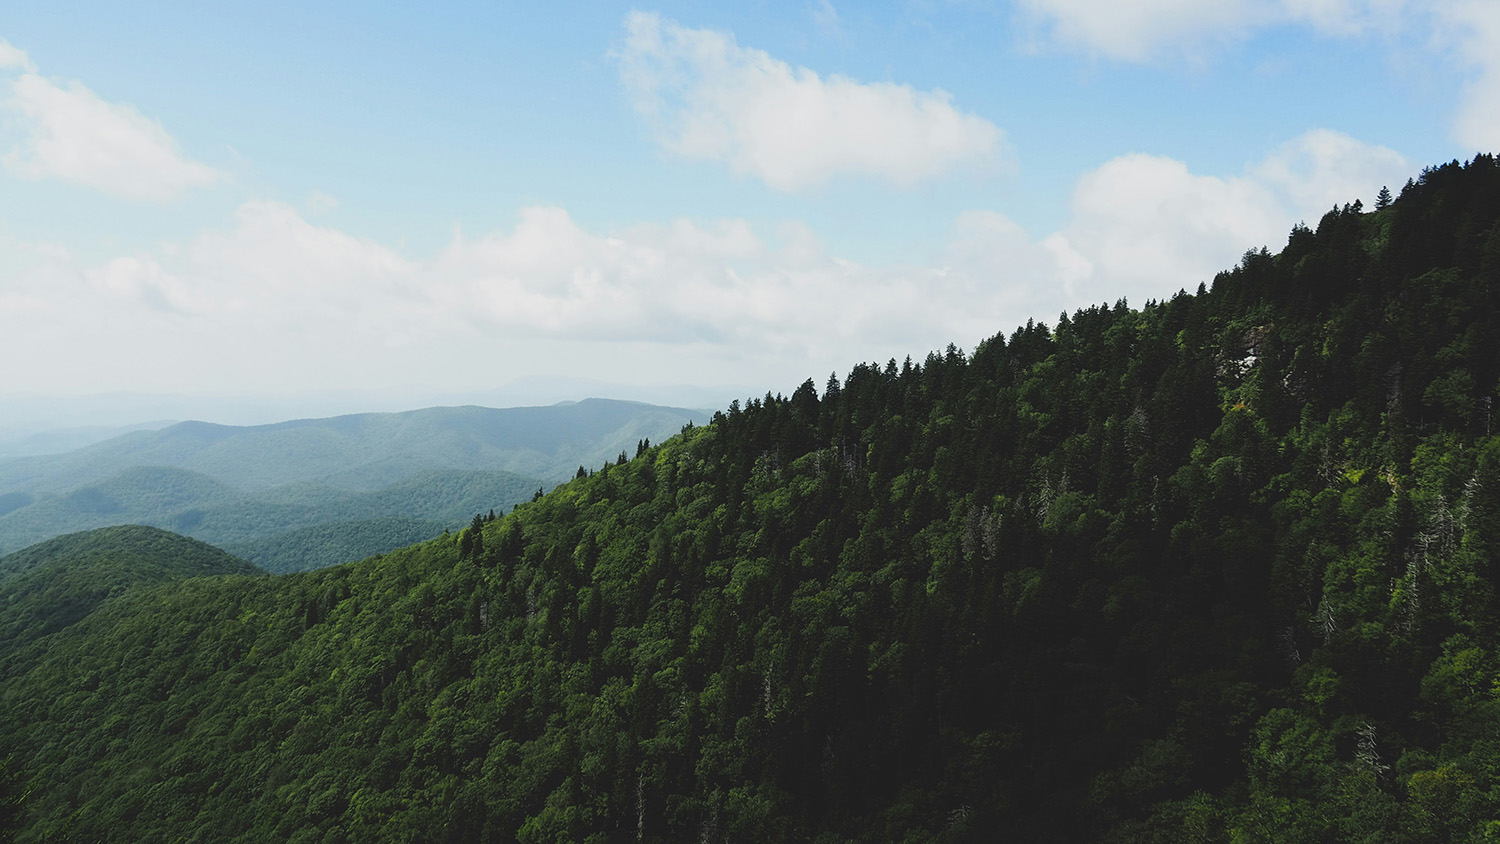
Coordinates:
[401,204]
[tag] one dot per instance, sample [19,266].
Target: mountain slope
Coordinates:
[173,556]
[307,548]
[1218,569]
[55,584]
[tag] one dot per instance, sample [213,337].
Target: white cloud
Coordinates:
[1347,17]
[1138,30]
[1465,31]
[1145,226]
[1024,277]
[318,202]
[826,18]
[709,98]
[274,302]
[1472,27]
[1148,226]
[1322,168]
[14,58]
[74,135]
[274,266]
[1148,30]
[685,282]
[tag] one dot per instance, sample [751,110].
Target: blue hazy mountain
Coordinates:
[244,486]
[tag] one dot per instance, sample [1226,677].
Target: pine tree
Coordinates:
[477,529]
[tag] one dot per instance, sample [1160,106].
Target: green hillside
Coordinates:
[450,498]
[54,584]
[174,556]
[306,549]
[1220,569]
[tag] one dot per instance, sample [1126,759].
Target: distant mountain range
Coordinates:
[58,440]
[278,494]
[32,424]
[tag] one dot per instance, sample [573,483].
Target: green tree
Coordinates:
[13,794]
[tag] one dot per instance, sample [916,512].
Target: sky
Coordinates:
[327,206]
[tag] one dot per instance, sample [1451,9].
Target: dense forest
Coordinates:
[1218,569]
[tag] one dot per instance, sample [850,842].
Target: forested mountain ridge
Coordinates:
[54,584]
[176,556]
[1219,569]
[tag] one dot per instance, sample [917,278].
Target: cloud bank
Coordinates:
[710,300]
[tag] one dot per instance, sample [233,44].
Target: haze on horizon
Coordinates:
[390,204]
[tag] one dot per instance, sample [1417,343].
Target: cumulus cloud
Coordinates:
[1146,226]
[1145,223]
[1323,168]
[274,259]
[709,98]
[70,133]
[274,292]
